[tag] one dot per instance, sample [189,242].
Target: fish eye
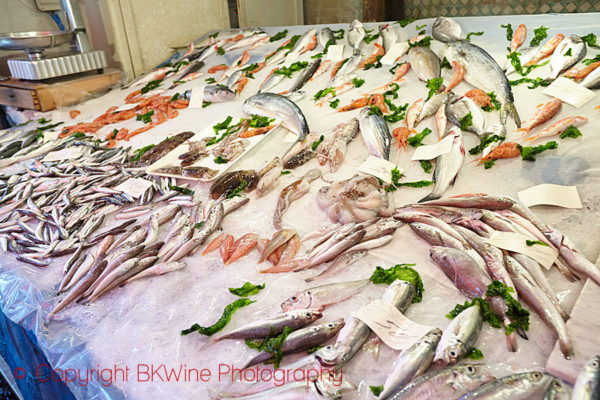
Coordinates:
[470,369]
[309,314]
[537,376]
[453,353]
[557,385]
[293,298]
[330,325]
[594,364]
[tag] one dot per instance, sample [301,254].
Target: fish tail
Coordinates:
[512,111]
[430,196]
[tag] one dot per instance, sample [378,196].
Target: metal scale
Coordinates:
[37,66]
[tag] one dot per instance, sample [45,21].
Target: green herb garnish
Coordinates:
[151,86]
[509,31]
[288,46]
[571,132]
[425,42]
[446,64]
[210,80]
[24,123]
[539,34]
[377,64]
[220,51]
[419,27]
[495,103]
[41,129]
[247,289]
[488,315]
[485,141]
[416,184]
[357,82]
[146,117]
[376,390]
[534,82]
[214,35]
[417,140]
[288,71]
[515,312]
[466,122]
[434,85]
[175,96]
[237,191]
[43,121]
[404,22]
[278,36]
[396,176]
[206,104]
[226,127]
[474,354]
[589,61]
[527,153]
[473,34]
[590,40]
[334,103]
[140,152]
[395,67]
[369,38]
[317,142]
[272,344]
[256,121]
[286,172]
[534,242]
[221,160]
[182,190]
[222,322]
[323,92]
[569,52]
[489,164]
[403,272]
[426,165]
[199,225]
[339,34]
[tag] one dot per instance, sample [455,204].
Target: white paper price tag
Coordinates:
[379,168]
[396,51]
[391,325]
[545,255]
[64,154]
[429,152]
[335,52]
[197,97]
[135,187]
[549,194]
[569,92]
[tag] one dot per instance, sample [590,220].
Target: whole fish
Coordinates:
[305,75]
[482,71]
[459,337]
[518,38]
[571,254]
[559,127]
[232,180]
[457,111]
[338,248]
[413,112]
[445,30]
[300,152]
[323,296]
[217,94]
[432,105]
[277,106]
[447,167]
[543,113]
[376,134]
[587,385]
[191,68]
[306,42]
[158,269]
[535,297]
[272,326]
[592,81]
[389,35]
[424,62]
[119,276]
[270,81]
[346,72]
[475,201]
[568,53]
[546,50]
[411,363]
[448,383]
[356,34]
[293,192]
[280,238]
[524,385]
[339,263]
[557,391]
[326,37]
[302,339]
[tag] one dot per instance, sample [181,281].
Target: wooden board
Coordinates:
[53,93]
[584,330]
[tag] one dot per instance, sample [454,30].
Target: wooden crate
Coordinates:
[53,93]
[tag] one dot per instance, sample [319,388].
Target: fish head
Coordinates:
[330,385]
[298,301]
[446,30]
[592,367]
[310,315]
[331,355]
[335,326]
[469,377]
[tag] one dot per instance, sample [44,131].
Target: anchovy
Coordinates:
[523,385]
[459,337]
[323,296]
[587,385]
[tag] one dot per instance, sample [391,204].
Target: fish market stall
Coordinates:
[240,249]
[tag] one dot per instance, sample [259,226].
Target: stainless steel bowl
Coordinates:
[34,42]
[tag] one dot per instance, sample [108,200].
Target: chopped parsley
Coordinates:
[534,82]
[257,121]
[220,51]
[495,103]
[272,344]
[488,315]
[434,85]
[221,322]
[466,122]
[590,40]
[286,172]
[589,61]
[376,390]
[426,165]
[339,34]
[150,86]
[419,27]
[527,153]
[509,31]
[323,92]
[146,117]
[416,184]
[317,142]
[485,142]
[377,64]
[288,71]
[278,36]
[474,354]
[210,80]
[571,132]
[404,272]
[357,82]
[539,34]
[446,64]
[182,190]
[404,22]
[534,242]
[247,289]
[473,34]
[334,103]
[221,160]
[417,140]
[396,175]
[237,191]
[138,153]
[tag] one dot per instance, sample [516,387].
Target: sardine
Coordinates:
[447,167]
[525,385]
[459,337]
[323,296]
[587,386]
[274,105]
[376,134]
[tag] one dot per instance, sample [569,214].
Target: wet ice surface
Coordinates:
[139,324]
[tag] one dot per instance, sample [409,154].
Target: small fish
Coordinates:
[356,34]
[459,337]
[305,75]
[413,112]
[323,296]
[518,38]
[543,113]
[568,53]
[217,94]
[447,167]
[376,134]
[424,62]
[325,37]
[525,55]
[546,50]
[587,385]
[458,110]
[558,391]
[268,179]
[274,105]
[558,127]
[525,385]
[389,35]
[445,30]
[592,81]
[431,106]
[242,246]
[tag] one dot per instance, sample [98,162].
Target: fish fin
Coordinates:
[512,111]
[429,197]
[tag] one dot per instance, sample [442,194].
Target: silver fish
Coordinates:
[271,326]
[447,167]
[445,30]
[356,34]
[482,71]
[459,337]
[568,53]
[158,269]
[346,71]
[376,134]
[525,55]
[411,363]
[558,391]
[389,35]
[525,385]
[448,383]
[337,249]
[120,275]
[301,340]
[304,41]
[326,37]
[587,385]
[339,263]
[458,110]
[217,94]
[424,63]
[274,105]
[592,81]
[323,296]
[305,75]
[432,105]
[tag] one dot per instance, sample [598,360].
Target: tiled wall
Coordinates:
[453,8]
[331,11]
